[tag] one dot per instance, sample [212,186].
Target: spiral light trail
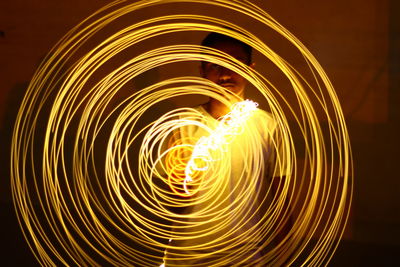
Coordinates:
[95,183]
[230,125]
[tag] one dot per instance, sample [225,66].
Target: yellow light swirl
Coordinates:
[91,178]
[229,126]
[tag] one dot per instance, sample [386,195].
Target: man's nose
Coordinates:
[225,72]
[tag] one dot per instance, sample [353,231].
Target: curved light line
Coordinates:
[93,182]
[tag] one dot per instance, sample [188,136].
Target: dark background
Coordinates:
[356,42]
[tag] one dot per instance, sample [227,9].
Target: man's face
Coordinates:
[223,76]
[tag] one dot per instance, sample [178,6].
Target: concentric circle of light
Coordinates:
[93,184]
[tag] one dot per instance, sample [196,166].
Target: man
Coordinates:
[224,76]
[224,223]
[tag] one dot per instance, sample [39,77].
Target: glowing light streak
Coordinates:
[86,195]
[229,125]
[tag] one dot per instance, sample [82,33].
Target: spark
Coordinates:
[229,125]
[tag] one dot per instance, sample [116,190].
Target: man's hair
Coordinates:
[213,38]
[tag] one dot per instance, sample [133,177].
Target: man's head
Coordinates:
[223,76]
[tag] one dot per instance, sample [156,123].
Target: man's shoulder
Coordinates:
[263,116]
